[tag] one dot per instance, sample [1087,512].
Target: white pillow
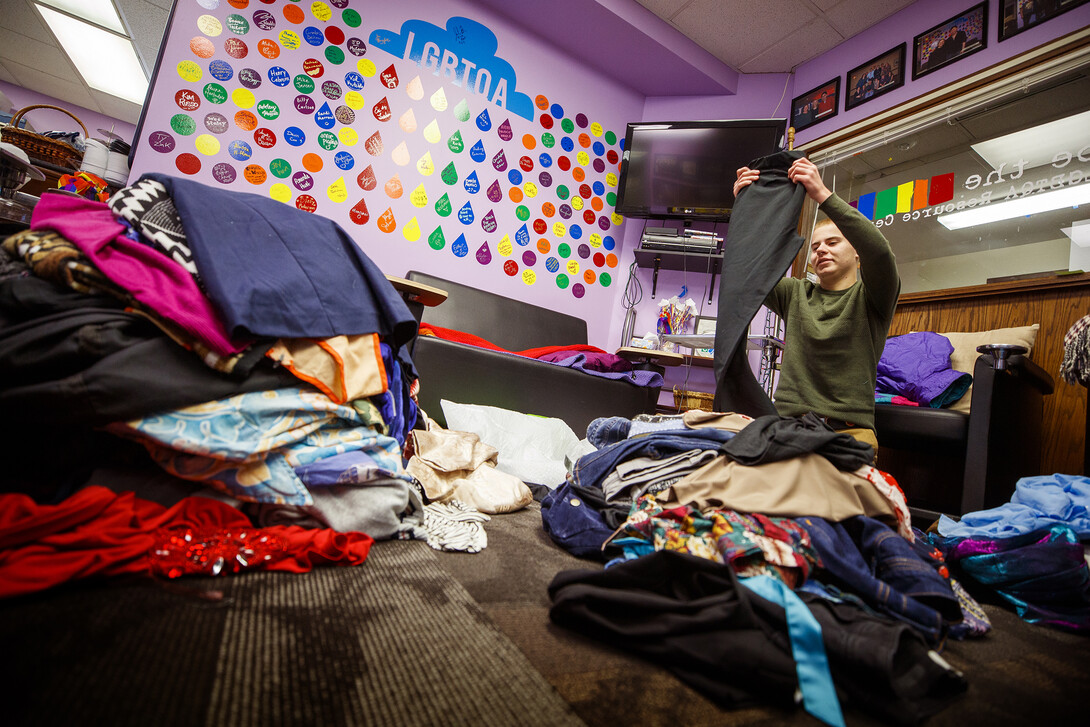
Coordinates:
[965,354]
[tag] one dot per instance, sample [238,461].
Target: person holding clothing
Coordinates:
[835,329]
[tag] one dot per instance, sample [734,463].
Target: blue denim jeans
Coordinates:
[591,469]
[869,559]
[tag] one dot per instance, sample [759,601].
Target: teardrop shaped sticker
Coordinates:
[472,184]
[426,165]
[359,213]
[494,193]
[366,179]
[505,130]
[442,206]
[407,122]
[436,239]
[477,152]
[488,222]
[389,77]
[504,248]
[455,143]
[415,89]
[465,214]
[325,118]
[419,197]
[431,132]
[400,155]
[484,121]
[522,237]
[449,175]
[338,191]
[393,187]
[499,162]
[374,145]
[411,231]
[484,255]
[381,110]
[460,247]
[439,100]
[461,111]
[386,221]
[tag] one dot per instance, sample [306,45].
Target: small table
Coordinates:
[417,295]
[650,359]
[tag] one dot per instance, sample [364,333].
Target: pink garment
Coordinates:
[153,278]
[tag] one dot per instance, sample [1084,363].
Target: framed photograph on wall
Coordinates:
[950,41]
[702,326]
[877,76]
[1018,15]
[816,105]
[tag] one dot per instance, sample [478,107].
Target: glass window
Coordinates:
[996,190]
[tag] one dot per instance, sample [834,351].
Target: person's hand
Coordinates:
[805,172]
[746,177]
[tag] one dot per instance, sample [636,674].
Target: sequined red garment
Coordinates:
[97,532]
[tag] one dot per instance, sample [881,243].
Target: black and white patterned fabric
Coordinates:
[147,206]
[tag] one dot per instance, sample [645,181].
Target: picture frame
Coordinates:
[703,325]
[1016,16]
[876,77]
[817,104]
[951,40]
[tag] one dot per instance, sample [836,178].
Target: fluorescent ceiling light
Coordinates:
[106,61]
[1037,145]
[1021,207]
[1079,232]
[99,12]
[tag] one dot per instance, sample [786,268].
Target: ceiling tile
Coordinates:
[164,4]
[46,57]
[825,5]
[116,107]
[20,17]
[665,9]
[70,90]
[146,23]
[714,25]
[807,42]
[6,76]
[856,16]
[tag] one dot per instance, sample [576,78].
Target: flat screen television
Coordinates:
[686,169]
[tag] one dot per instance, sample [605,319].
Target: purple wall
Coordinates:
[903,27]
[50,120]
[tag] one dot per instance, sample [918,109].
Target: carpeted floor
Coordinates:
[417,637]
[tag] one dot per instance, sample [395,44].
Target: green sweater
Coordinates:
[834,338]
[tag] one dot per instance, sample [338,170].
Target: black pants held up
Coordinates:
[761,243]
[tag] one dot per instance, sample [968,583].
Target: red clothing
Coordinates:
[97,532]
[426,329]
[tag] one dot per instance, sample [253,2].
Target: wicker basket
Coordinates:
[686,400]
[42,148]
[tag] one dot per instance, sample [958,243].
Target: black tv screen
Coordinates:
[686,169]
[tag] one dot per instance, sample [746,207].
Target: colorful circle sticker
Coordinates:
[280,192]
[279,76]
[254,174]
[161,141]
[183,124]
[207,144]
[268,48]
[280,168]
[334,35]
[313,67]
[235,48]
[264,19]
[334,55]
[215,93]
[202,47]
[265,138]
[190,71]
[295,136]
[245,120]
[215,122]
[209,25]
[356,47]
[267,109]
[187,100]
[303,83]
[221,70]
[351,18]
[313,36]
[238,24]
[249,78]
[188,163]
[243,98]
[240,151]
[321,11]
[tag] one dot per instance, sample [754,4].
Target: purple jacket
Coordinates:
[917,367]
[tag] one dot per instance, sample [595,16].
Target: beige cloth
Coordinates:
[344,368]
[459,466]
[698,419]
[795,487]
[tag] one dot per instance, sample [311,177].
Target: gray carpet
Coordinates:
[394,642]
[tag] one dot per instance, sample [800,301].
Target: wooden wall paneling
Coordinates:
[1056,309]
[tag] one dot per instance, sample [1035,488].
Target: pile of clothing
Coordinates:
[244,346]
[757,557]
